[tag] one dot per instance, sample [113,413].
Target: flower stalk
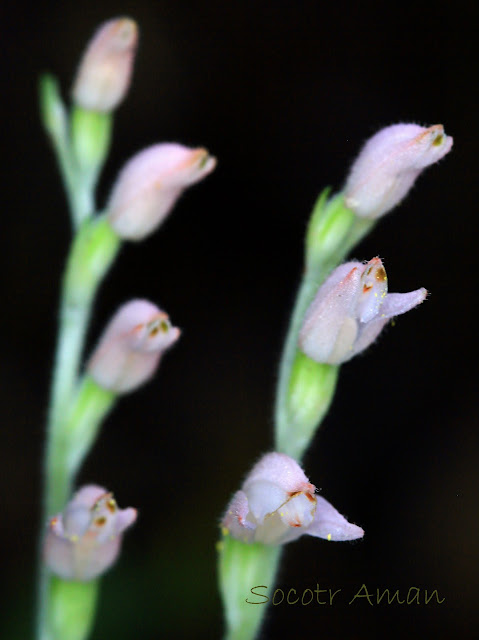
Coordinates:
[93,250]
[304,393]
[81,142]
[83,538]
[71,608]
[305,389]
[241,567]
[92,253]
[379,179]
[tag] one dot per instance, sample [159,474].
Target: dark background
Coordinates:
[283,93]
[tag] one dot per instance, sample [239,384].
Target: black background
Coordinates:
[283,93]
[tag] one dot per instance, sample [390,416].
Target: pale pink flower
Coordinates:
[131,346]
[150,184]
[278,504]
[84,540]
[388,165]
[350,310]
[103,76]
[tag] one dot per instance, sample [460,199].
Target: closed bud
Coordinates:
[350,310]
[103,76]
[150,184]
[278,504]
[388,165]
[131,347]
[84,540]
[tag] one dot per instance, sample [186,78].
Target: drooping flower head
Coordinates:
[388,165]
[104,73]
[278,504]
[131,346]
[150,184]
[350,310]
[84,540]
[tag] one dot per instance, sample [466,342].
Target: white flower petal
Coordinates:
[264,497]
[329,524]
[396,304]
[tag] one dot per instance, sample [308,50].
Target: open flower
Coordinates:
[388,165]
[278,504]
[150,184]
[104,73]
[131,346]
[350,310]
[84,540]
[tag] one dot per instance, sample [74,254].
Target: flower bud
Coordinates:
[350,310]
[388,165]
[131,346]
[103,76]
[150,184]
[84,540]
[278,504]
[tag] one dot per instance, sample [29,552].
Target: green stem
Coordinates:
[306,293]
[90,142]
[333,230]
[92,405]
[94,249]
[71,609]
[241,568]
[81,144]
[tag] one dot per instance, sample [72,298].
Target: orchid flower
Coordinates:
[104,73]
[150,184]
[131,347]
[388,165]
[277,504]
[84,540]
[350,310]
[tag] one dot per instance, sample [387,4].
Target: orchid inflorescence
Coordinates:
[341,309]
[84,532]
